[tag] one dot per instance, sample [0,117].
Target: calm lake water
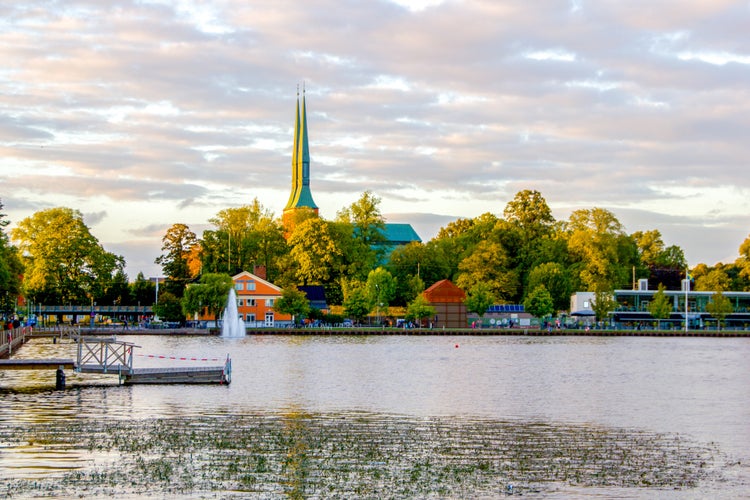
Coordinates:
[696,388]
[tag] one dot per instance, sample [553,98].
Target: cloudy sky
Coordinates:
[142,114]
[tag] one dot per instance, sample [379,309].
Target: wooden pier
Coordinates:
[37,364]
[105,355]
[11,340]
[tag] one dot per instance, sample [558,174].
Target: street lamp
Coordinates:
[377,305]
[91,323]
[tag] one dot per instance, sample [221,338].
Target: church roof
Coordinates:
[400,234]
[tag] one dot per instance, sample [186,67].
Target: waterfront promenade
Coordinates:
[537,332]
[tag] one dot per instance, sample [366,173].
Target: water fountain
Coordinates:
[233,326]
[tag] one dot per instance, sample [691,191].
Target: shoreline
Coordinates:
[531,332]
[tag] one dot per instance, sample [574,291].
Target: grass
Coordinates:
[299,455]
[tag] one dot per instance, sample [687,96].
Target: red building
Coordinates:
[448,301]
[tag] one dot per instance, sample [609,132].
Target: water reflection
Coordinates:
[697,388]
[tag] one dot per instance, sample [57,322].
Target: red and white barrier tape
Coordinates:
[179,358]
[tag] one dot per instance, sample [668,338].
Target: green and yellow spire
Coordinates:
[300,196]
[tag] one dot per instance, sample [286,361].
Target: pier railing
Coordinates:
[10,339]
[104,355]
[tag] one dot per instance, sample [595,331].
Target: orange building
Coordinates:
[448,301]
[255,299]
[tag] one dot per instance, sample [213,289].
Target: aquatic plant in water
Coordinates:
[300,455]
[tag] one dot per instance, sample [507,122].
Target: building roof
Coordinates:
[444,291]
[247,276]
[400,234]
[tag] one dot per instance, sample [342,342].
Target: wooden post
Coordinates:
[60,378]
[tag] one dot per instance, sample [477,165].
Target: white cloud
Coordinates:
[551,55]
[171,111]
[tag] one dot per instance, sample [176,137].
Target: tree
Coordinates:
[142,291]
[529,210]
[650,245]
[714,280]
[63,261]
[359,234]
[11,270]
[357,258]
[719,307]
[672,257]
[419,309]
[177,243]
[365,215]
[555,279]
[743,261]
[660,306]
[478,299]
[356,302]
[527,234]
[169,308]
[313,251]
[413,265]
[607,255]
[210,294]
[458,240]
[489,263]
[381,288]
[539,303]
[604,302]
[117,291]
[244,237]
[294,302]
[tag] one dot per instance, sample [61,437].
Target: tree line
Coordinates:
[523,256]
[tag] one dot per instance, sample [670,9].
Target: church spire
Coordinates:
[300,196]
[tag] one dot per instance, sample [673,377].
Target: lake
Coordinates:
[550,415]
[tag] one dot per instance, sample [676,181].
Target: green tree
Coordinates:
[381,288]
[293,302]
[478,299]
[63,261]
[672,257]
[413,265]
[719,307]
[314,252]
[604,302]
[116,291]
[539,303]
[660,306]
[419,309]
[11,270]
[458,240]
[714,280]
[554,277]
[527,234]
[356,302]
[244,237]
[529,210]
[169,308]
[743,261]
[178,245]
[489,264]
[359,234]
[606,254]
[210,293]
[356,257]
[365,215]
[650,245]
[142,291]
